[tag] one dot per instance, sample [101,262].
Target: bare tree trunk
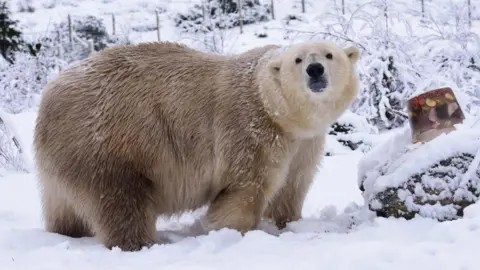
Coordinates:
[385,12]
[303,6]
[70,31]
[343,7]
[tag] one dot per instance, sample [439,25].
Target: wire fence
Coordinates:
[115,27]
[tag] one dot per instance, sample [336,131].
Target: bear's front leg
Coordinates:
[249,183]
[287,204]
[250,168]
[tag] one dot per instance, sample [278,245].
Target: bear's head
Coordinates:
[307,86]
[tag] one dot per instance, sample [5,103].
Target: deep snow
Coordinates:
[336,233]
[322,240]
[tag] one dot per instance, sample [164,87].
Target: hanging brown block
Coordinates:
[433,113]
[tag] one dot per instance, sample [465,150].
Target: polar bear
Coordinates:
[138,131]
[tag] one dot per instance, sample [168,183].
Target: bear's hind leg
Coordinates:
[65,221]
[123,211]
[60,217]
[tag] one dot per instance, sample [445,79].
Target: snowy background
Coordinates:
[406,47]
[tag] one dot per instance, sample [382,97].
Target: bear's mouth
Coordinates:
[317,85]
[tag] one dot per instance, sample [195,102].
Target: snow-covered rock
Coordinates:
[437,179]
[351,132]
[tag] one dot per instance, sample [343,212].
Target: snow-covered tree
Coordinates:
[221,14]
[22,84]
[23,81]
[10,36]
[387,72]
[25,6]
[88,34]
[450,54]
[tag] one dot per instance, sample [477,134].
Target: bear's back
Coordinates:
[154,107]
[125,103]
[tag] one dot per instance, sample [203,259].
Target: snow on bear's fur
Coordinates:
[138,131]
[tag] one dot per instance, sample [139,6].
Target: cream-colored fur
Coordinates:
[138,131]
[299,110]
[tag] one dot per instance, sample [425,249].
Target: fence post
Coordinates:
[273,10]
[158,25]
[59,44]
[240,16]
[113,24]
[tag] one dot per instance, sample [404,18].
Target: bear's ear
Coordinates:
[274,67]
[353,54]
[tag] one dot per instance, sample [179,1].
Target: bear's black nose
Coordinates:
[315,70]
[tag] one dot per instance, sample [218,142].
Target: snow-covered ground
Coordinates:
[336,232]
[322,240]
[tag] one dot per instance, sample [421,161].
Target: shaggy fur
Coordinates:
[138,131]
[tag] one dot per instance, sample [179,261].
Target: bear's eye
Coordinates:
[329,56]
[298,60]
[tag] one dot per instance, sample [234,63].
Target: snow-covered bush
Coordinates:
[452,57]
[14,151]
[385,88]
[217,14]
[88,34]
[455,67]
[10,35]
[23,82]
[25,6]
[386,68]
[49,4]
[10,156]
[351,132]
[437,179]
[287,20]
[261,34]
[398,61]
